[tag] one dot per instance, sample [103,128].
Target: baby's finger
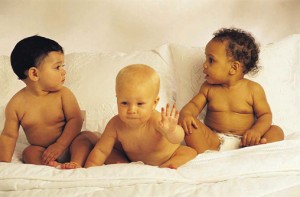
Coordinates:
[244,140]
[167,109]
[46,159]
[183,125]
[252,142]
[45,156]
[173,111]
[176,114]
[257,140]
[190,128]
[163,115]
[194,124]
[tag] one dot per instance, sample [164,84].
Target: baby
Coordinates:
[238,113]
[145,134]
[47,111]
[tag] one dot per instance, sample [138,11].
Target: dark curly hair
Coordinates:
[241,47]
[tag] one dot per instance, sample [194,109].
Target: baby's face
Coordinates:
[51,72]
[217,64]
[136,102]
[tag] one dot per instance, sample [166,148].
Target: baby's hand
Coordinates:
[188,122]
[52,153]
[169,119]
[250,138]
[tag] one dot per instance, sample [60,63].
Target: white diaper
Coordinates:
[229,141]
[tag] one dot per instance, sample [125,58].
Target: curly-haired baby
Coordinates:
[238,113]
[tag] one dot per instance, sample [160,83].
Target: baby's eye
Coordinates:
[124,103]
[59,67]
[141,104]
[210,60]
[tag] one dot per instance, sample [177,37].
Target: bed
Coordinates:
[263,170]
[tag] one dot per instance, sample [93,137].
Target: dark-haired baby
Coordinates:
[238,114]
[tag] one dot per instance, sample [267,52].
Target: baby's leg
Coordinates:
[202,139]
[182,155]
[274,134]
[80,149]
[117,155]
[33,155]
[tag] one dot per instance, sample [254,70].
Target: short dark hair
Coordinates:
[241,47]
[29,52]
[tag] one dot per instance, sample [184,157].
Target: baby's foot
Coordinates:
[70,165]
[263,141]
[54,164]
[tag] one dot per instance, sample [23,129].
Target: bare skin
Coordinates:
[145,134]
[234,105]
[50,117]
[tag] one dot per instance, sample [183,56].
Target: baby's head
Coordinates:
[240,46]
[137,76]
[137,88]
[30,52]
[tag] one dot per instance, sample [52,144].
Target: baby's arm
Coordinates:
[10,134]
[71,130]
[263,116]
[168,126]
[191,110]
[103,147]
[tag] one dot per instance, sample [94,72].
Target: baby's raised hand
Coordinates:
[169,119]
[52,153]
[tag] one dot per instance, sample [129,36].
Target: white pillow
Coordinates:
[187,63]
[279,76]
[9,82]
[91,77]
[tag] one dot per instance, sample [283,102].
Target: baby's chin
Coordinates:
[56,89]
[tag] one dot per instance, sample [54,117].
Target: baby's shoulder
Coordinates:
[17,101]
[18,97]
[115,123]
[252,84]
[64,90]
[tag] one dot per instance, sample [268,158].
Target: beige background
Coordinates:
[128,25]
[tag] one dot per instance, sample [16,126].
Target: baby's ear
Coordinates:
[33,74]
[156,100]
[235,66]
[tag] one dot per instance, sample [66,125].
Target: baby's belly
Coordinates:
[229,122]
[152,157]
[42,136]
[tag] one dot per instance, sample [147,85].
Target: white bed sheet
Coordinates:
[264,170]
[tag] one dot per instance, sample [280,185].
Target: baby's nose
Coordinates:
[132,109]
[63,71]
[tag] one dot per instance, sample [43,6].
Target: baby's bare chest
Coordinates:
[42,113]
[140,142]
[235,101]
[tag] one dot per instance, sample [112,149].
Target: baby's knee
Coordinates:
[277,131]
[87,137]
[192,152]
[32,151]
[187,151]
